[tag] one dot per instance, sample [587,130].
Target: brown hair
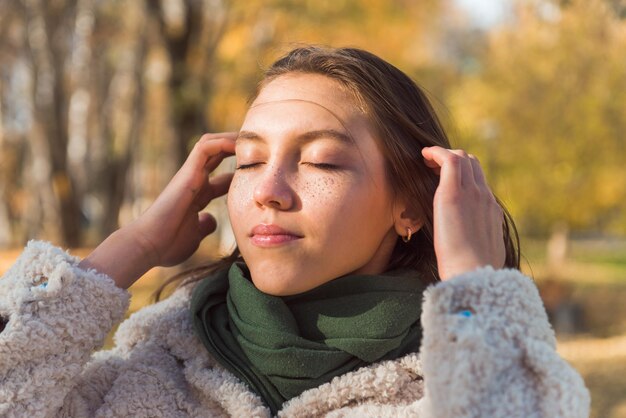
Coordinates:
[405,122]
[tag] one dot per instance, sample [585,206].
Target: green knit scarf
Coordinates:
[282,346]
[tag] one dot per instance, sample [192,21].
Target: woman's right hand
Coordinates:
[173,226]
[171,229]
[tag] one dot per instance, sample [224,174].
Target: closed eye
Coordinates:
[246,166]
[323,166]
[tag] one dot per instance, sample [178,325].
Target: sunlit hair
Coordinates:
[405,122]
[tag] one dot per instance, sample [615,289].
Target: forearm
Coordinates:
[123,256]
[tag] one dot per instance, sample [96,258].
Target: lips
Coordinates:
[269,235]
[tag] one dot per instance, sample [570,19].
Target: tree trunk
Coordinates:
[50,113]
[5,220]
[191,48]
[124,122]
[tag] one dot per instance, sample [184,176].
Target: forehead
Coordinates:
[313,88]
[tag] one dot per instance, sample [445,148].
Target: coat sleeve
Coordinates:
[488,350]
[55,315]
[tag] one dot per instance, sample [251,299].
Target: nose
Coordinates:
[273,191]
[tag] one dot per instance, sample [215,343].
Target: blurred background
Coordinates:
[101,100]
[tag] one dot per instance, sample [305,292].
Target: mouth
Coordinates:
[269,235]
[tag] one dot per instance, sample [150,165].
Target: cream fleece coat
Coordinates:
[498,362]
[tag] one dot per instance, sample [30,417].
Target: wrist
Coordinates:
[460,267]
[122,256]
[132,234]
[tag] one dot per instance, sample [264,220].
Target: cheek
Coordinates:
[343,205]
[238,196]
[321,191]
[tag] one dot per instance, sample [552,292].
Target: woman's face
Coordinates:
[309,201]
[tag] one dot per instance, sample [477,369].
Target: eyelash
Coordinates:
[321,166]
[245,166]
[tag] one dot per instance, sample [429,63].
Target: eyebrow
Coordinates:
[304,137]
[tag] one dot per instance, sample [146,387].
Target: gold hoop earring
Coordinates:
[407,238]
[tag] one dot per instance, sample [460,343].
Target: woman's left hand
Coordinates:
[467,218]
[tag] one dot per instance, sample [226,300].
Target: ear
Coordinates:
[406,218]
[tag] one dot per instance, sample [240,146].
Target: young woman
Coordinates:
[376,275]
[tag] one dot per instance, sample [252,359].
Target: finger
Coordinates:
[184,188]
[431,163]
[433,166]
[214,187]
[206,224]
[220,184]
[467,173]
[217,135]
[214,161]
[192,174]
[206,148]
[479,174]
[449,163]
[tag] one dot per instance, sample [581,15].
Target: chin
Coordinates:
[279,281]
[271,286]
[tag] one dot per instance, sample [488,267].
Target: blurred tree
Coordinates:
[8,144]
[116,113]
[547,114]
[67,165]
[190,31]
[406,33]
[46,26]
